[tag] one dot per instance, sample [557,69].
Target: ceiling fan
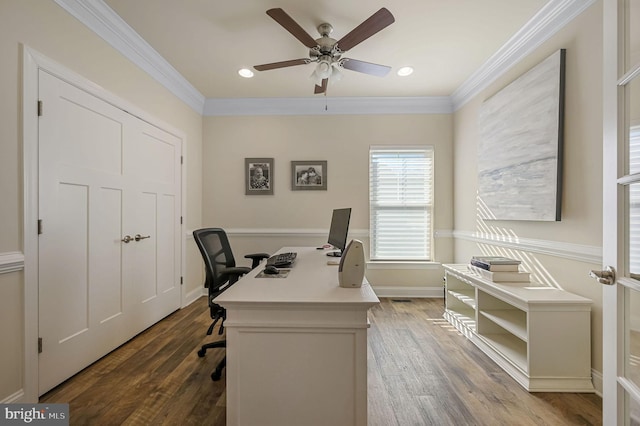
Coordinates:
[327,52]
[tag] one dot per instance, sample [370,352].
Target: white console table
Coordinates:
[540,335]
[297,346]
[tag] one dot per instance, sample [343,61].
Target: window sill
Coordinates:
[400,264]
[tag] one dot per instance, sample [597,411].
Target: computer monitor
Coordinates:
[339,230]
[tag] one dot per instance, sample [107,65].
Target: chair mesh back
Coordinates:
[216,253]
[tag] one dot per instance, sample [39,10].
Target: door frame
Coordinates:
[33,62]
[611,213]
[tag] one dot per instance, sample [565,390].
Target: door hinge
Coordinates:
[180,220]
[181,159]
[181,281]
[39,108]
[39,345]
[39,226]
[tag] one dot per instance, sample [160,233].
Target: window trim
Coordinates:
[429,202]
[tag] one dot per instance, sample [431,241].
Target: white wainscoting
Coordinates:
[11,262]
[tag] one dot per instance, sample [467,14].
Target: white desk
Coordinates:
[297,346]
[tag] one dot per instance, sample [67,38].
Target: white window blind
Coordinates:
[400,203]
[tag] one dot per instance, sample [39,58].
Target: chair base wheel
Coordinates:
[201,353]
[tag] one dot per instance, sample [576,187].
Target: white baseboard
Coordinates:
[15,398]
[194,295]
[397,291]
[596,378]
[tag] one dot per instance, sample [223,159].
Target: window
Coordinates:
[401,203]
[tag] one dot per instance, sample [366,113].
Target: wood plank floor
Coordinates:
[421,372]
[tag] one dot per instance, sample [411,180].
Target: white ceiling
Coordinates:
[445,41]
[195,47]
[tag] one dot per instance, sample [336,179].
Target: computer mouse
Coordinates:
[270,269]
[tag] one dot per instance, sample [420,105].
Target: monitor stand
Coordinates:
[334,253]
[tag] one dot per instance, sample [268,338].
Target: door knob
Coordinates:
[139,237]
[126,239]
[606,277]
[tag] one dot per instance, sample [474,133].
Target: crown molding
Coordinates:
[102,20]
[550,19]
[328,106]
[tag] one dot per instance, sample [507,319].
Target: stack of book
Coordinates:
[498,269]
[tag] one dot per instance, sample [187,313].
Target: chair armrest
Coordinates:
[236,270]
[256,258]
[234,273]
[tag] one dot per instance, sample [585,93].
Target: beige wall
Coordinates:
[49,30]
[342,140]
[581,222]
[216,152]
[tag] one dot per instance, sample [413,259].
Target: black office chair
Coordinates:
[221,273]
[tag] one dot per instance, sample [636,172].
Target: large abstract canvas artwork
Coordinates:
[520,146]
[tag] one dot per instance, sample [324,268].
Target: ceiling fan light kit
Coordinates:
[246,73]
[327,52]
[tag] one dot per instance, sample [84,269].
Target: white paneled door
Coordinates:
[109,242]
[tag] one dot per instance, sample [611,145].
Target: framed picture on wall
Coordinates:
[258,176]
[308,175]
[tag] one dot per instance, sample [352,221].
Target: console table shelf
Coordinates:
[513,321]
[540,335]
[465,296]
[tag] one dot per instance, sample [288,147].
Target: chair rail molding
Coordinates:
[294,232]
[289,232]
[11,262]
[579,252]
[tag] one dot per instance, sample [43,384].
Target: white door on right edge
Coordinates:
[621,212]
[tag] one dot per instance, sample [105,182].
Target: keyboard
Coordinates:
[282,259]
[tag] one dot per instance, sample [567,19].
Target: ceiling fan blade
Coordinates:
[287,22]
[365,67]
[283,64]
[376,22]
[321,89]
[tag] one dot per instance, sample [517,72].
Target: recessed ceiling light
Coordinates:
[246,73]
[405,71]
